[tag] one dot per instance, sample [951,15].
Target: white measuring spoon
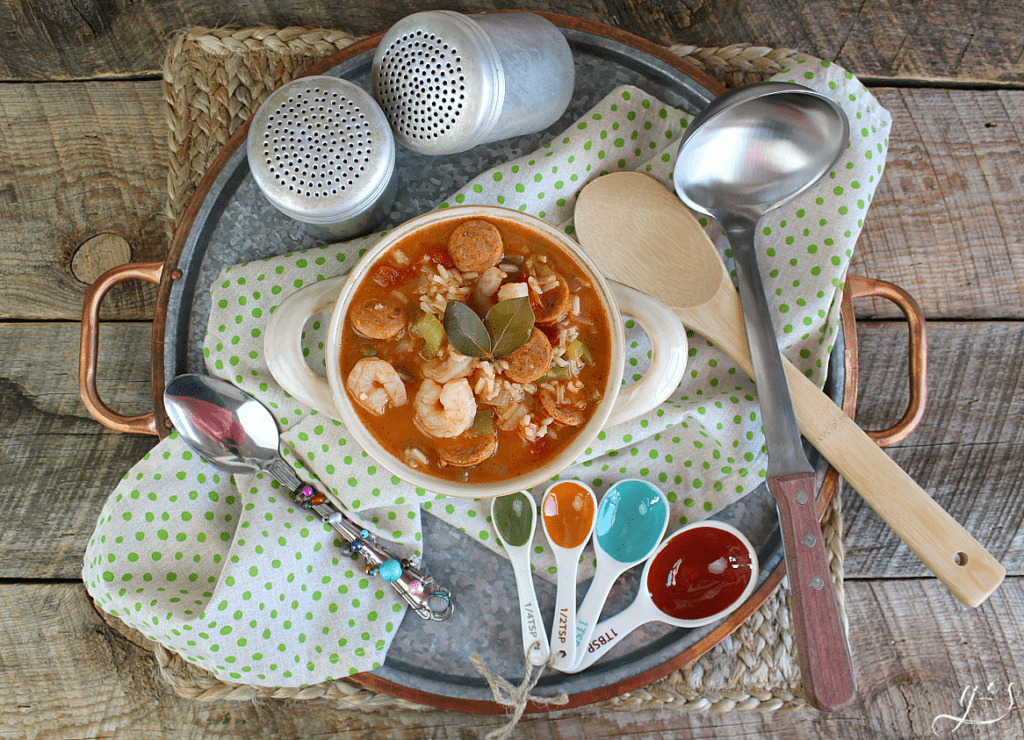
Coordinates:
[515,520]
[631,520]
[700,574]
[568,513]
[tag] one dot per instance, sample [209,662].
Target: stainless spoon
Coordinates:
[238,434]
[752,150]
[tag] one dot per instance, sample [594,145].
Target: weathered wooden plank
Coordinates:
[946,222]
[966,452]
[964,41]
[57,465]
[79,160]
[68,674]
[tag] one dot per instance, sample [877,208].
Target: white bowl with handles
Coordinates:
[619,403]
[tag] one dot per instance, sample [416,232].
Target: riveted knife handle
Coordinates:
[822,650]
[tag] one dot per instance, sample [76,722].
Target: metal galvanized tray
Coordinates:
[228,222]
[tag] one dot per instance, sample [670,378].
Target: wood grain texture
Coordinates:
[965,452]
[81,159]
[77,160]
[826,670]
[945,40]
[57,465]
[945,223]
[914,654]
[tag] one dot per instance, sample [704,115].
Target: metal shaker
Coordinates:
[321,151]
[448,82]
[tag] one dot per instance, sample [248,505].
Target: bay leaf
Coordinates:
[466,332]
[509,323]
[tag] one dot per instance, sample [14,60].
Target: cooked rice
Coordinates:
[548,282]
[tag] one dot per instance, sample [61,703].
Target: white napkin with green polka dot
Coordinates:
[235,578]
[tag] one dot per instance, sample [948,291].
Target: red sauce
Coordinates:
[700,572]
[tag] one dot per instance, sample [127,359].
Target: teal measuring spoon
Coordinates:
[631,520]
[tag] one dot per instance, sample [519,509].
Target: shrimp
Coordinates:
[455,365]
[445,410]
[513,290]
[475,245]
[487,285]
[374,383]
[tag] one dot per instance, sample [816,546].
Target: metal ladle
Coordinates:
[238,434]
[751,150]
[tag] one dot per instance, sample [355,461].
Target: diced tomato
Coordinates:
[551,332]
[388,276]
[440,257]
[540,447]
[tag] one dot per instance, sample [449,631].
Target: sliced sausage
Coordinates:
[467,454]
[530,361]
[568,415]
[475,245]
[379,318]
[553,304]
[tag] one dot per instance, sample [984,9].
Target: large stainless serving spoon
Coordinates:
[751,150]
[642,235]
[238,434]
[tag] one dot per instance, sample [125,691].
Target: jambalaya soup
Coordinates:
[489,389]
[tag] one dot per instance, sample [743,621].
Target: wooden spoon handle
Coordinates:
[822,650]
[963,566]
[954,556]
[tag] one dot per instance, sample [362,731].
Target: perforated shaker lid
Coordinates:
[321,150]
[438,77]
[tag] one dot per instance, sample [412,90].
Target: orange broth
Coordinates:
[396,428]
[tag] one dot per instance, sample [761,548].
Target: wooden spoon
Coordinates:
[642,235]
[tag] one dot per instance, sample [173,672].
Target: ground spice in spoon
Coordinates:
[568,511]
[514,516]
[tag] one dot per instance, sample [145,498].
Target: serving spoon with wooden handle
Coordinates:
[644,236]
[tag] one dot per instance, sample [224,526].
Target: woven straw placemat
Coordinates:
[214,80]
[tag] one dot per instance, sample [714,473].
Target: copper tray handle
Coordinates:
[89,351]
[861,287]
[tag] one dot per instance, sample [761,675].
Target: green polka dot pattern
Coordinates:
[230,574]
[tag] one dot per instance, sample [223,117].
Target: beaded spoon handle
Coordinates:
[206,413]
[426,597]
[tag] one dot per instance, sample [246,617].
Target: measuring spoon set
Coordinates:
[696,576]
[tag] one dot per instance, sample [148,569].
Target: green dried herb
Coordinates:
[509,323]
[466,332]
[505,329]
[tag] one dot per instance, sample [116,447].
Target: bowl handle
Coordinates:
[282,344]
[668,355]
[88,353]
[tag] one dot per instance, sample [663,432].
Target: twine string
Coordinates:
[514,698]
